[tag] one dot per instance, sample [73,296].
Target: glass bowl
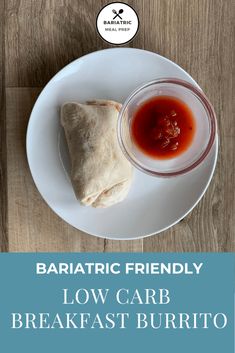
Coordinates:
[203,140]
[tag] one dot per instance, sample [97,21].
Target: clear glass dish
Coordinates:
[205,133]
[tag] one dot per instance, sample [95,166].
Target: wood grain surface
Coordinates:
[3,160]
[38,38]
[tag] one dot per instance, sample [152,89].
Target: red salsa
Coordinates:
[163,127]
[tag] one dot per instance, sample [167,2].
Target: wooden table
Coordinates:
[38,38]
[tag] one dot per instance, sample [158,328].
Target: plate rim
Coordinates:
[106,236]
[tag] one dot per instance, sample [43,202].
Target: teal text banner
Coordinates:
[152,302]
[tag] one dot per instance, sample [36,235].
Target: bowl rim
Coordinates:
[210,115]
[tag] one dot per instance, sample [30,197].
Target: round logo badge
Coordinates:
[117,23]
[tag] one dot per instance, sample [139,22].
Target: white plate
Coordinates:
[153,204]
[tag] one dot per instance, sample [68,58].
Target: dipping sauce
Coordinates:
[163,127]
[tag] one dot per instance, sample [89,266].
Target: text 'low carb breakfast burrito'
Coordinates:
[101,176]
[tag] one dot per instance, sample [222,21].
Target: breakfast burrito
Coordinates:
[101,176]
